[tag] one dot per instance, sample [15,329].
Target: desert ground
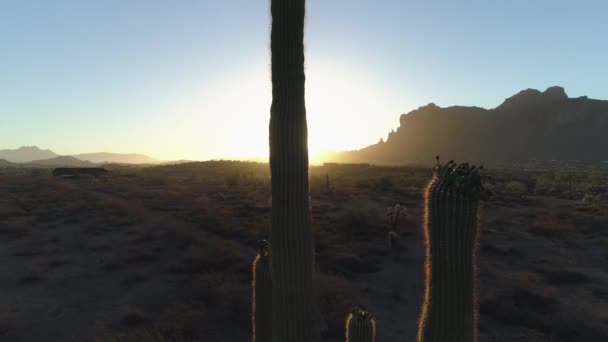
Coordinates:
[164,253]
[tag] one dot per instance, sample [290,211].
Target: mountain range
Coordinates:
[34,156]
[530,125]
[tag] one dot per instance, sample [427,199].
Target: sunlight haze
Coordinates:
[191,79]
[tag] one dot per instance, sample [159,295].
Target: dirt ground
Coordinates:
[169,255]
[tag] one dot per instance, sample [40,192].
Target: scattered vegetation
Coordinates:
[176,242]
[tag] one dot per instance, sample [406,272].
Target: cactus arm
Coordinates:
[262,296]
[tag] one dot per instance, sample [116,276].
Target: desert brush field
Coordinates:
[165,253]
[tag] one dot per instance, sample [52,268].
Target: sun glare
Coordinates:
[342,106]
[214,122]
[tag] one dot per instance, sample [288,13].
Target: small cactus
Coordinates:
[262,295]
[360,326]
[451,233]
[395,216]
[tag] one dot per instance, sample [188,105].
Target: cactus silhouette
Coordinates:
[451,232]
[360,326]
[292,256]
[262,295]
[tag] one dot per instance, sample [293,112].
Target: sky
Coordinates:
[179,79]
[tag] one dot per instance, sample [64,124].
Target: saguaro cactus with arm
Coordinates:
[451,232]
[291,234]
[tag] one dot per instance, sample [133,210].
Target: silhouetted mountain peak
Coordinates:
[555,93]
[532,97]
[529,125]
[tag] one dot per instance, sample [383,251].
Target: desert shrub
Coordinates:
[360,218]
[139,256]
[154,180]
[216,257]
[544,184]
[352,265]
[33,276]
[16,227]
[335,297]
[591,201]
[183,234]
[550,225]
[225,296]
[133,278]
[318,183]
[133,316]
[232,179]
[515,187]
[525,301]
[562,276]
[7,321]
[363,184]
[383,184]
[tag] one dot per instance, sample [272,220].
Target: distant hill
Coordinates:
[526,126]
[25,154]
[6,163]
[61,161]
[28,154]
[119,158]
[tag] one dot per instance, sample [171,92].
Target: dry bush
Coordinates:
[515,187]
[7,321]
[218,256]
[361,218]
[335,297]
[227,298]
[178,232]
[551,225]
[139,255]
[132,278]
[562,276]
[524,301]
[350,265]
[56,260]
[32,276]
[15,227]
[133,317]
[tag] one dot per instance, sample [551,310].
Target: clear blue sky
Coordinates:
[190,79]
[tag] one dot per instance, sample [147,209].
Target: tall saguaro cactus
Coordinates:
[291,234]
[262,295]
[451,231]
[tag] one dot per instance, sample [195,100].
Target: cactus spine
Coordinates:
[262,295]
[451,232]
[291,234]
[360,326]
